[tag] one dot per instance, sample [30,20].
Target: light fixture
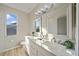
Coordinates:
[36,13]
[39,12]
[46,7]
[43,9]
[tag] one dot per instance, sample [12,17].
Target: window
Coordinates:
[11,24]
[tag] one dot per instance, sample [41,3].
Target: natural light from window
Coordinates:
[11,24]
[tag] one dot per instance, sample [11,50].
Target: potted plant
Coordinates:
[68,44]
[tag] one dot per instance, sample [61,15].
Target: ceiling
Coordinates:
[25,7]
[28,7]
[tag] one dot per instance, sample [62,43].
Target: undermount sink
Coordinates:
[53,45]
[47,43]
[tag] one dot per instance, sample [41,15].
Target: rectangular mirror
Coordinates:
[62,25]
[37,24]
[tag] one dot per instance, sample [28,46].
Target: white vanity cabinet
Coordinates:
[32,48]
[37,50]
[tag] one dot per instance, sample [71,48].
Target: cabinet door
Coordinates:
[32,48]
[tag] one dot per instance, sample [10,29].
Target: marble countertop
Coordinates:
[54,48]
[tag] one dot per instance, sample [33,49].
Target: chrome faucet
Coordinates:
[54,39]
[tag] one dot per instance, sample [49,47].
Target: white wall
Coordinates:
[22,27]
[53,17]
[31,19]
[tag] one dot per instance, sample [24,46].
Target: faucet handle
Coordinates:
[53,39]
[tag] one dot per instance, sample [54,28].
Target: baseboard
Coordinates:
[9,49]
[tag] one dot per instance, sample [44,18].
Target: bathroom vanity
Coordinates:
[56,21]
[36,47]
